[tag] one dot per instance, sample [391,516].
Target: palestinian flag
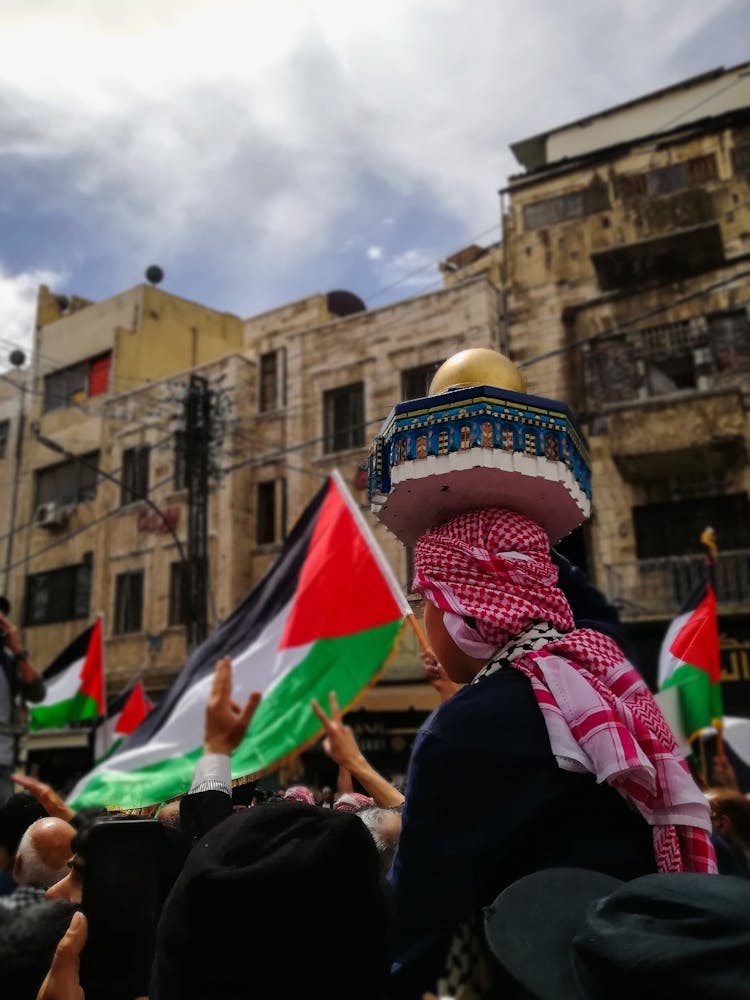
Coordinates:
[124,714]
[324,618]
[75,684]
[689,661]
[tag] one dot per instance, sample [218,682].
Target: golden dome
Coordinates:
[477,366]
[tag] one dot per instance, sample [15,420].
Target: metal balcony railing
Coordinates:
[683,357]
[646,587]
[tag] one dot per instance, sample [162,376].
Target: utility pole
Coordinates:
[17,358]
[198,406]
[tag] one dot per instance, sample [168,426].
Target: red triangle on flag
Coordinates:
[341,588]
[697,642]
[135,710]
[92,672]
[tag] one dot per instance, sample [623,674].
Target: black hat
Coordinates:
[280,901]
[571,934]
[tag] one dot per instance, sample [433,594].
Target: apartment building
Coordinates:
[627,271]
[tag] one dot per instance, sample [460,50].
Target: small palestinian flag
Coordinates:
[689,661]
[124,714]
[324,618]
[75,684]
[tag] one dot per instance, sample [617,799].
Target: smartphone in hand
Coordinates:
[123,891]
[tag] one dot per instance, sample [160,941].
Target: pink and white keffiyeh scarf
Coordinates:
[490,572]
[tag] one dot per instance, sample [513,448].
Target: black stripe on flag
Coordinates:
[76,650]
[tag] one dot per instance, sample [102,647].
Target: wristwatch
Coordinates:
[22,656]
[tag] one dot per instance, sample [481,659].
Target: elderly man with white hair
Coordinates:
[41,861]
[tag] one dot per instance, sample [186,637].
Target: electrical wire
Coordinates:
[430,264]
[632,321]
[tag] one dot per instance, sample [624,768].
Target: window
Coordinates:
[344,418]
[270,512]
[128,602]
[59,595]
[272,379]
[134,474]
[88,378]
[663,258]
[67,482]
[729,335]
[179,477]
[415,382]
[741,159]
[265,513]
[666,180]
[564,207]
[178,594]
[674,528]
[4,437]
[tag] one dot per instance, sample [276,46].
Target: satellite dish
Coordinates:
[17,358]
[154,274]
[342,303]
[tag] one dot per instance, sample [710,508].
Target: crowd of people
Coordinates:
[550,840]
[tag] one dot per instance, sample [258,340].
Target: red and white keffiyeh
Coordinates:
[494,568]
[300,793]
[352,801]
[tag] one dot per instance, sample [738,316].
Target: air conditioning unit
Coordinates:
[51,515]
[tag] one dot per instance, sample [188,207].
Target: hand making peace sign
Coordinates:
[339,743]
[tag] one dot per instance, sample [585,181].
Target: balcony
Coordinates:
[670,395]
[662,258]
[657,588]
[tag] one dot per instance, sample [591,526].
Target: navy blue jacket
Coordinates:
[486,804]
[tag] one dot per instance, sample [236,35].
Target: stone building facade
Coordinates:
[627,271]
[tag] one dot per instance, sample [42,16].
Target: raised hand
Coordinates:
[339,743]
[62,982]
[226,720]
[437,677]
[46,796]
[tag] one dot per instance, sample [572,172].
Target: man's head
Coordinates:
[16,816]
[288,876]
[41,859]
[385,828]
[70,885]
[27,944]
[570,934]
[730,816]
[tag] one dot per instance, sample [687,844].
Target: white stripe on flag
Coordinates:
[64,686]
[259,668]
[668,663]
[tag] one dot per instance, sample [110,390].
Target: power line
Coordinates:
[616,330]
[78,531]
[29,468]
[429,265]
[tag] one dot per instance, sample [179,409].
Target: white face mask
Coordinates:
[466,638]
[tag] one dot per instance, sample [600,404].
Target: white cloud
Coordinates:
[374,253]
[245,131]
[18,293]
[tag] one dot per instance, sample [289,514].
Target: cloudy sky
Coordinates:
[263,151]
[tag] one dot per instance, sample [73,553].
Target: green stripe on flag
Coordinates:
[79,708]
[283,723]
[700,697]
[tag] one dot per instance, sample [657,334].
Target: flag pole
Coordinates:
[103,720]
[385,566]
[708,540]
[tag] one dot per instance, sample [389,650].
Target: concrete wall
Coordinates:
[556,302]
